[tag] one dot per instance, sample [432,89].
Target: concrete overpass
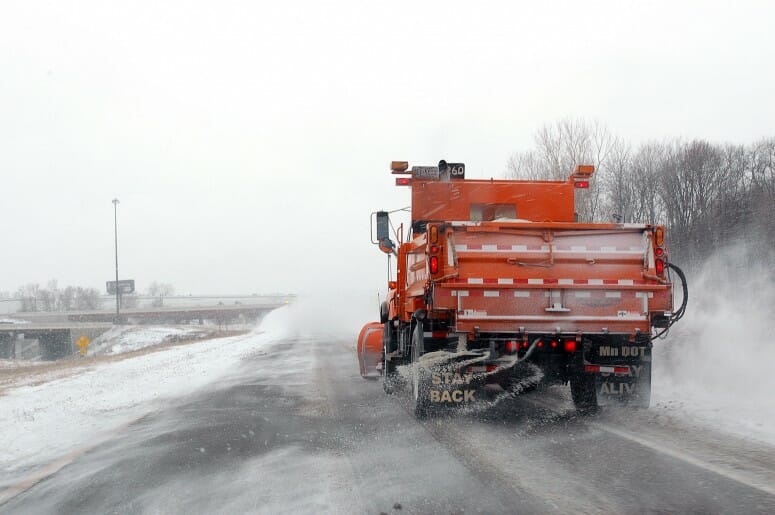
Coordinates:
[55,340]
[57,332]
[177,315]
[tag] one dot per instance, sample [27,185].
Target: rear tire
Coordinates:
[643,398]
[582,389]
[419,376]
[389,375]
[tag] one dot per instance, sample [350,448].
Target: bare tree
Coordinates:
[561,146]
[159,291]
[67,298]
[29,297]
[619,184]
[762,198]
[86,299]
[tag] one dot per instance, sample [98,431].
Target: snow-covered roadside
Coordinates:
[12,321]
[127,338]
[43,422]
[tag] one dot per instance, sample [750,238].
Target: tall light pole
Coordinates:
[115,233]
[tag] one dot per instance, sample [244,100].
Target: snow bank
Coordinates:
[128,338]
[40,423]
[12,321]
[716,366]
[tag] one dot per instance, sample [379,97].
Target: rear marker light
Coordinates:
[660,252]
[570,346]
[434,234]
[434,249]
[511,347]
[659,236]
[403,181]
[581,184]
[554,344]
[399,166]
[540,344]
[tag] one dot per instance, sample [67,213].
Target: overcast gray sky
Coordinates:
[249,141]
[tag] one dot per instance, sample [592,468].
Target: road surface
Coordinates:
[296,430]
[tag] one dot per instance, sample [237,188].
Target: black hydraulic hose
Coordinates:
[682,310]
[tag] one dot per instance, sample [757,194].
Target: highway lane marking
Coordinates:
[743,479]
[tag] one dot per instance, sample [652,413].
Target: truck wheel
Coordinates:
[582,389]
[383,313]
[419,376]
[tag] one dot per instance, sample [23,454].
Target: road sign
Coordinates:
[425,172]
[82,343]
[124,286]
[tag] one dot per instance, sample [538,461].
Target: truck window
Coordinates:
[489,212]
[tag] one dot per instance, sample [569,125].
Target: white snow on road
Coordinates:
[43,422]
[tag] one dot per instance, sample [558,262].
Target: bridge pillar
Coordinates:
[7,346]
[55,344]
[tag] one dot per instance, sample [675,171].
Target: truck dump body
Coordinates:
[503,277]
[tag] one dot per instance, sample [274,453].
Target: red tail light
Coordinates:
[434,264]
[660,266]
[434,249]
[581,184]
[540,344]
[403,181]
[511,347]
[554,344]
[570,345]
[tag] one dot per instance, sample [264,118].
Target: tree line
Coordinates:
[709,195]
[53,298]
[33,297]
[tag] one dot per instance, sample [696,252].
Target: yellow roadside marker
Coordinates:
[82,343]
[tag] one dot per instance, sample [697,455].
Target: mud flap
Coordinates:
[446,386]
[632,389]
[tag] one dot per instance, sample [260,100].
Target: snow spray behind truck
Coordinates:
[498,286]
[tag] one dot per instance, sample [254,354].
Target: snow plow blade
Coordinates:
[370,350]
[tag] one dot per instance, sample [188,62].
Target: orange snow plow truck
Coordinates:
[498,287]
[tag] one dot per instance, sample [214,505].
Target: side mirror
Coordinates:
[383,225]
[386,245]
